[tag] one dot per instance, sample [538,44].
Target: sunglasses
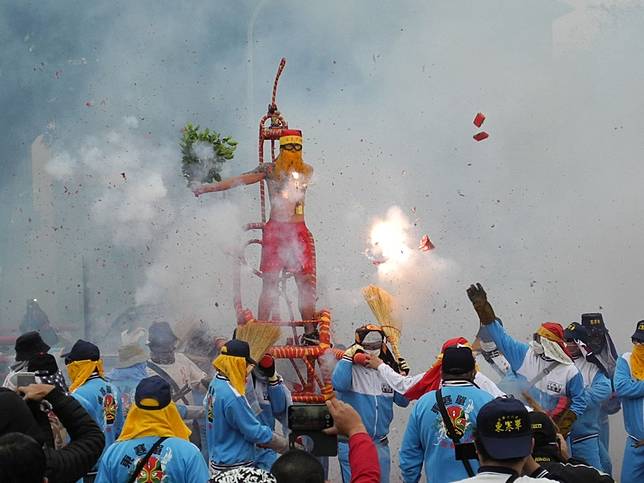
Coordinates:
[292,147]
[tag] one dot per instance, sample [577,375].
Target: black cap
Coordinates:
[238,348]
[28,345]
[156,388]
[503,426]
[82,351]
[575,332]
[544,430]
[457,360]
[593,322]
[161,334]
[638,335]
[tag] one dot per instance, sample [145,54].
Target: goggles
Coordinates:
[291,147]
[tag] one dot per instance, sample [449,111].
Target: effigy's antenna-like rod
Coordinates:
[280,69]
[277,122]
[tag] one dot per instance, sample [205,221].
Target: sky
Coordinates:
[545,213]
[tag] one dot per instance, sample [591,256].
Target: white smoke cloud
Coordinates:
[61,166]
[540,212]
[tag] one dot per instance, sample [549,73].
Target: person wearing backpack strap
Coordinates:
[503,443]
[154,444]
[440,436]
[542,368]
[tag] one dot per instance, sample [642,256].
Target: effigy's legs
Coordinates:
[306,287]
[269,295]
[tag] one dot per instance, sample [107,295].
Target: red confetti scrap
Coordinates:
[88,103]
[426,244]
[481,136]
[479,119]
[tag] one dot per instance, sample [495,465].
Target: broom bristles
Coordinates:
[383,306]
[260,337]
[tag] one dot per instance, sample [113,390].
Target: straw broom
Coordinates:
[383,306]
[260,337]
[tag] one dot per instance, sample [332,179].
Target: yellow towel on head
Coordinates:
[154,422]
[234,368]
[637,362]
[79,372]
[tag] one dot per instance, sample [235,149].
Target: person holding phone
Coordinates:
[66,464]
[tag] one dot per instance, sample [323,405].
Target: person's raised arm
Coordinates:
[513,350]
[226,184]
[625,385]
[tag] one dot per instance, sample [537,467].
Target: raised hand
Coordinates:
[483,309]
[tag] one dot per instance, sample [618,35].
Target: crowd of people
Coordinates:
[160,416]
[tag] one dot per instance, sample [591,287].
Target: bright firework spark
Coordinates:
[389,242]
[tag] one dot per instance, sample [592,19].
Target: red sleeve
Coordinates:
[363,459]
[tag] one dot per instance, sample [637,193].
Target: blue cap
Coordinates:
[638,335]
[503,426]
[82,351]
[238,348]
[156,388]
[457,360]
[576,331]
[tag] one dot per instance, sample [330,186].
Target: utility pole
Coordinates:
[86,318]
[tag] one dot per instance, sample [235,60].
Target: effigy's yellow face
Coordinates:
[289,161]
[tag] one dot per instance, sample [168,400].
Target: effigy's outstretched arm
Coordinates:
[226,184]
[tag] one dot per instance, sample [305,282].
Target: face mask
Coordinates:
[373,352]
[536,347]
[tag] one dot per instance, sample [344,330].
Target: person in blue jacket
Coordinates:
[232,427]
[272,398]
[629,384]
[426,440]
[602,346]
[154,444]
[131,367]
[584,435]
[98,397]
[543,370]
[369,394]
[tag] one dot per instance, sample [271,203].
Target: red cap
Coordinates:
[266,361]
[291,136]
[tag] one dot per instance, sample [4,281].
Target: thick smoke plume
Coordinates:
[545,212]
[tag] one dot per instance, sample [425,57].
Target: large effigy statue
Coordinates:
[287,244]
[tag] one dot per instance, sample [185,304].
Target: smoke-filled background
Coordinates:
[95,217]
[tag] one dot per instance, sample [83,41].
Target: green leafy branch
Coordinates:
[207,169]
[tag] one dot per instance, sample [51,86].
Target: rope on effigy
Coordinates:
[276,121]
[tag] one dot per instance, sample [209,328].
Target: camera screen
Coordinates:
[309,417]
[25,378]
